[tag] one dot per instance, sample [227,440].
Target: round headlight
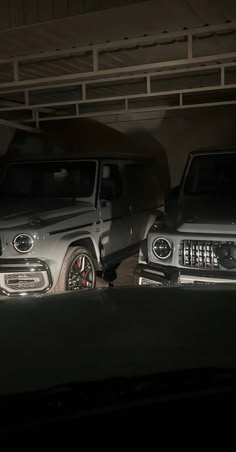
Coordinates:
[23,243]
[162,248]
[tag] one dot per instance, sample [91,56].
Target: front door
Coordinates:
[115,214]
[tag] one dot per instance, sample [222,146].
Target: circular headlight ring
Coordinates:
[19,236]
[168,243]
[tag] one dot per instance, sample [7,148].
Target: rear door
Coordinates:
[115,212]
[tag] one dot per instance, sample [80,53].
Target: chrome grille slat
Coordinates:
[212,256]
[184,252]
[198,256]
[191,253]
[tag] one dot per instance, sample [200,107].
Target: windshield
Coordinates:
[50,179]
[212,175]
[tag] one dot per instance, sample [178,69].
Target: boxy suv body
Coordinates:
[195,240]
[64,219]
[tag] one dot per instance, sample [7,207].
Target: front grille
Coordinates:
[200,253]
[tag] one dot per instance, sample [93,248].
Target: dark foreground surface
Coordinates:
[110,357]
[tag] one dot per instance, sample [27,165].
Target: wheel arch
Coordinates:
[88,243]
[84,242]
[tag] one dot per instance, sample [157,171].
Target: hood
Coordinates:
[39,212]
[205,210]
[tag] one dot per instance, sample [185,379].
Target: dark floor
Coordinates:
[124,274]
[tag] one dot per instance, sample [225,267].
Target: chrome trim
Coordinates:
[212,254]
[205,254]
[191,251]
[190,279]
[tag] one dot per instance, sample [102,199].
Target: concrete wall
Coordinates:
[183,131]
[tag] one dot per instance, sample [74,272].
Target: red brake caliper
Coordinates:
[84,282]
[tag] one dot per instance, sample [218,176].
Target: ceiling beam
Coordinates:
[124,43]
[83,84]
[148,93]
[138,110]
[121,70]
[17,125]
[96,53]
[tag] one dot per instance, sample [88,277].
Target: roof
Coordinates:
[81,138]
[210,151]
[30,158]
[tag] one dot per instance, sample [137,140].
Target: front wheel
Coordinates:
[78,271]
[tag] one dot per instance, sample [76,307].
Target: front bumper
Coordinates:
[160,275]
[24,277]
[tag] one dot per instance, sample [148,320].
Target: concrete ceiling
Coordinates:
[135,20]
[19,13]
[150,55]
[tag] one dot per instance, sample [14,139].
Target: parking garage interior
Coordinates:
[124,91]
[146,68]
[163,73]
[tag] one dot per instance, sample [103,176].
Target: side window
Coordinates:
[111,185]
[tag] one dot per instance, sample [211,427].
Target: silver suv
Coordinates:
[194,241]
[63,220]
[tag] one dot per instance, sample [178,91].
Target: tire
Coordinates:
[73,275]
